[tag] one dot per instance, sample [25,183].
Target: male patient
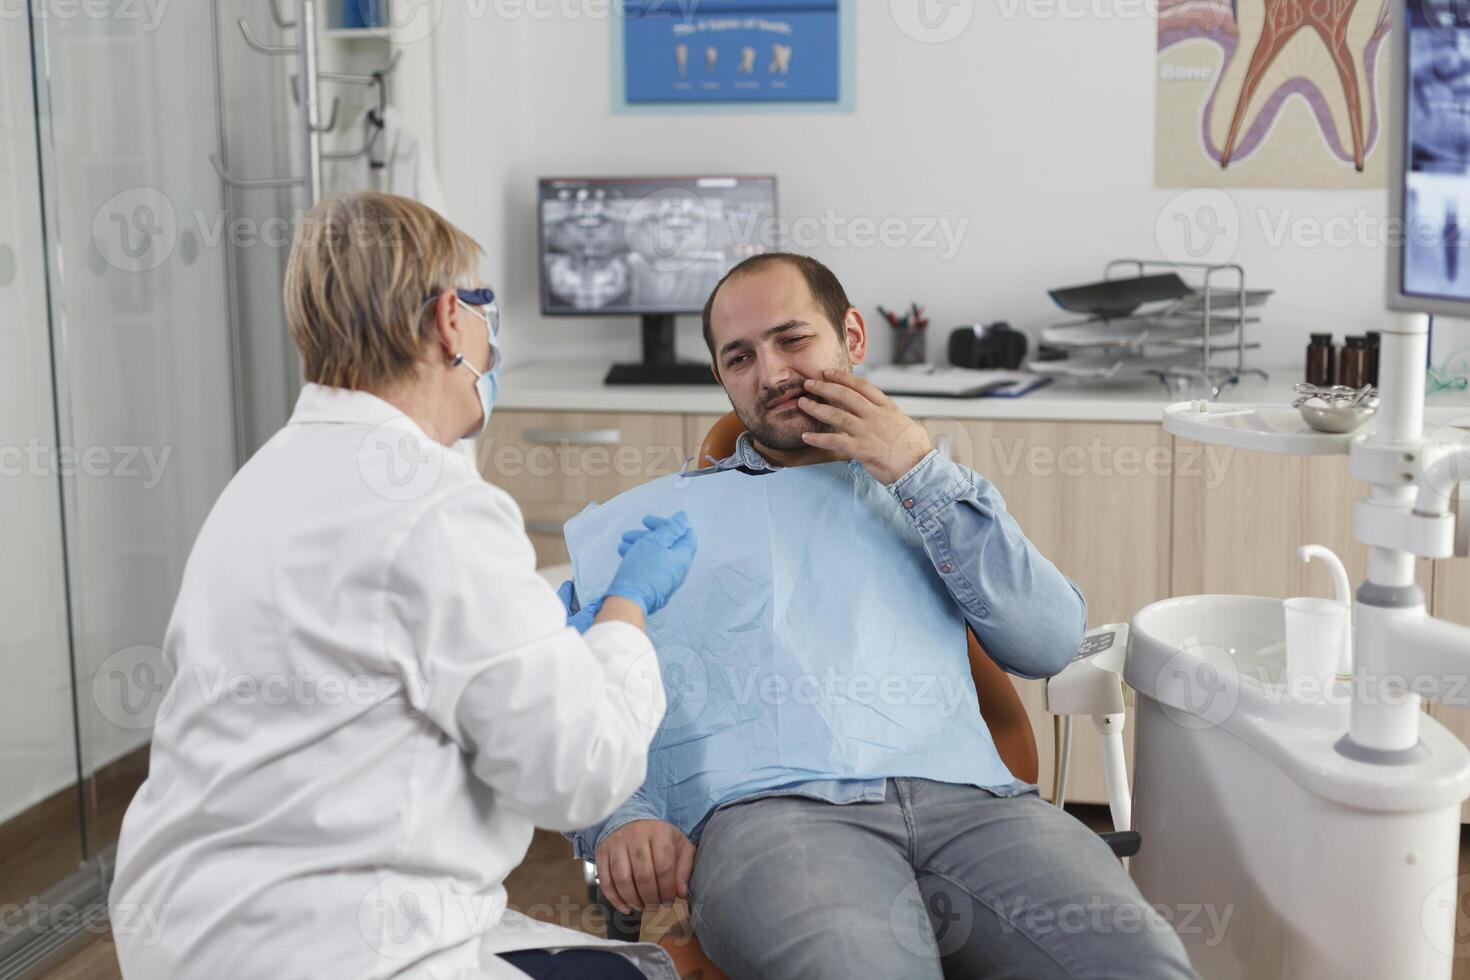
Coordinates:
[819,876]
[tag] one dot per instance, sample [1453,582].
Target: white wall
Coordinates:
[1037,130]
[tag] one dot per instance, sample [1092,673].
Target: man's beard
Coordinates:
[782,432]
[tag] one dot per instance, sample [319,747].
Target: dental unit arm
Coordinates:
[1402,653]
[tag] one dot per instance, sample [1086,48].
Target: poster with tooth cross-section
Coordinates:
[681,51]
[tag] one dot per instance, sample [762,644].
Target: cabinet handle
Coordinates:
[558,437]
[544,527]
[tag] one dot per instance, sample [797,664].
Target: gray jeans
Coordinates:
[935,881]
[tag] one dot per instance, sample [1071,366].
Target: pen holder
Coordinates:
[908,334]
[909,346]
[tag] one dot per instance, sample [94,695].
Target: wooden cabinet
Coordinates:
[1452,591]
[555,463]
[1239,518]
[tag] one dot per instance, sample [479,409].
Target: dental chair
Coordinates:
[1089,686]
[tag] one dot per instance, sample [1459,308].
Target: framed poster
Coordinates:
[1271,93]
[732,51]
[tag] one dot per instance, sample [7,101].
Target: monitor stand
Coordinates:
[660,366]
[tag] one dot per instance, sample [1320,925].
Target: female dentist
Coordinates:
[375,698]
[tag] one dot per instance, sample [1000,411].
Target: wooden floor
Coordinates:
[43,844]
[548,885]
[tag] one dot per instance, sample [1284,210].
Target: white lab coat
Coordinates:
[374,699]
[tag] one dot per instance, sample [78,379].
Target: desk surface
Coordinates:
[576,386]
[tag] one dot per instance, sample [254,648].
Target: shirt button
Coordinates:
[909,504]
[946,568]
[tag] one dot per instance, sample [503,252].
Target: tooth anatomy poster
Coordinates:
[731,51]
[1272,93]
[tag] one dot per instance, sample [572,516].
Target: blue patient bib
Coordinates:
[812,640]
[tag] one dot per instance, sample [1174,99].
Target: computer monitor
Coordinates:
[652,247]
[1429,148]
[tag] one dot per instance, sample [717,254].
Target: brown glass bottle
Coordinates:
[1375,348]
[1354,369]
[1321,361]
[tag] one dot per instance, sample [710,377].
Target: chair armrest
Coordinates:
[1092,684]
[1125,843]
[622,928]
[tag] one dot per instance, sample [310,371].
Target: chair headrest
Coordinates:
[719,442]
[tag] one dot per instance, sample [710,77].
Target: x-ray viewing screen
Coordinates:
[1436,189]
[648,246]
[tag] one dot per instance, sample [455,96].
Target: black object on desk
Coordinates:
[660,364]
[987,347]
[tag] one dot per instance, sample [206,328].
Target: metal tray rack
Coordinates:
[1179,341]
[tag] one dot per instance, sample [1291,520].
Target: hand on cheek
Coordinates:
[866,424]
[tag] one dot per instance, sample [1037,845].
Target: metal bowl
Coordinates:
[1340,419]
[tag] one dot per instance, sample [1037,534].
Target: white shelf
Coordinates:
[1263,428]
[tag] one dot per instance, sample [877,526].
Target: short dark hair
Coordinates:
[823,283]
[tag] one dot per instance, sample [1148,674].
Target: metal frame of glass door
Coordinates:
[58,918]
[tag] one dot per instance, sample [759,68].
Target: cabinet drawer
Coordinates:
[578,458]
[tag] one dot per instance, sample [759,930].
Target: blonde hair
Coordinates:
[360,270]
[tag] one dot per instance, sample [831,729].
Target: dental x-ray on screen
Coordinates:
[1436,192]
[648,245]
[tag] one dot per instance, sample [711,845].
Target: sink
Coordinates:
[1208,659]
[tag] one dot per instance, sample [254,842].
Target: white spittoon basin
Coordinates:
[1268,850]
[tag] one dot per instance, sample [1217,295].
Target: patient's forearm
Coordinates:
[1026,613]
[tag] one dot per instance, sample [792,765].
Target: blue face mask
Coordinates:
[487,383]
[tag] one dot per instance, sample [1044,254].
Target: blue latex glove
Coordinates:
[655,562]
[650,523]
[578,616]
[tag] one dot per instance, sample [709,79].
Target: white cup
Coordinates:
[1316,642]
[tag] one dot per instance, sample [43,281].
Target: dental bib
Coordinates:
[812,640]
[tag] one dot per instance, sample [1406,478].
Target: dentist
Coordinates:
[374,697]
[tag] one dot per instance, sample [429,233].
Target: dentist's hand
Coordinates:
[655,562]
[644,864]
[650,523]
[580,617]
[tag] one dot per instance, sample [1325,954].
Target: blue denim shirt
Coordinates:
[1029,617]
